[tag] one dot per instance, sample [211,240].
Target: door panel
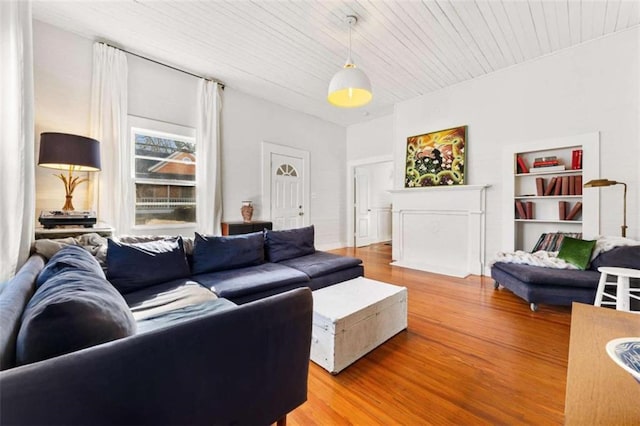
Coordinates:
[362,208]
[287,206]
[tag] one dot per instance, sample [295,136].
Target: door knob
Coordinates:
[301,214]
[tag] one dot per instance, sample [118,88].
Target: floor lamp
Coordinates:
[596,183]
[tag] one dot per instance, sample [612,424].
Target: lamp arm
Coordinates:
[624,210]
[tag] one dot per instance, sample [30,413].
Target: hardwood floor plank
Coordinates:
[471,355]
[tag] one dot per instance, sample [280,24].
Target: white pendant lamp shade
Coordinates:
[350,87]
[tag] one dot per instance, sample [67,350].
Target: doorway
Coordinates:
[285,185]
[372,202]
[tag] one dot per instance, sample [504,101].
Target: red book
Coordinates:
[521,213]
[572,185]
[562,210]
[576,159]
[574,211]
[529,209]
[565,185]
[523,165]
[549,188]
[578,189]
[539,186]
[558,189]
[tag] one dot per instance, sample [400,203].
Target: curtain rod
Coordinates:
[166,65]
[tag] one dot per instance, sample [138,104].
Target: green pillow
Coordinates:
[576,252]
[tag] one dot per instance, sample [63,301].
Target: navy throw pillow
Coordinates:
[131,267]
[70,258]
[212,253]
[290,243]
[72,310]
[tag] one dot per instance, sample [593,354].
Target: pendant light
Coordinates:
[350,87]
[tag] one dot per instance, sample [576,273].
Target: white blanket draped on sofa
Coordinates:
[549,259]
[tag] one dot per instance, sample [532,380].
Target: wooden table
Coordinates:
[599,392]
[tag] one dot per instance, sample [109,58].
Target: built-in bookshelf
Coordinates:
[550,197]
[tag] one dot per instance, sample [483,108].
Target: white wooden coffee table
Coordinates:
[354,317]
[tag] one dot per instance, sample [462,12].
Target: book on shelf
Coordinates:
[558,188]
[562,210]
[578,187]
[522,166]
[549,189]
[565,185]
[528,208]
[549,158]
[539,186]
[522,214]
[572,185]
[576,159]
[546,163]
[558,168]
[574,211]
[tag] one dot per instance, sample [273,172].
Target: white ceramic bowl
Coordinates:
[625,351]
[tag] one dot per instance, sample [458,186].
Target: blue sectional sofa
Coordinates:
[163,332]
[536,284]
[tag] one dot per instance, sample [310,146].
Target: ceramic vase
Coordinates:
[246,211]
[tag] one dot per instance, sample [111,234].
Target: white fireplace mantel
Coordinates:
[440,229]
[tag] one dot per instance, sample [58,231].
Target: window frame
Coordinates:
[156,128]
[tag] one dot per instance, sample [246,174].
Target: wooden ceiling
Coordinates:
[287,51]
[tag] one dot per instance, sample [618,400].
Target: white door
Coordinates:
[287,200]
[362,208]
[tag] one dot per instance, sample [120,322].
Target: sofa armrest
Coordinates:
[248,365]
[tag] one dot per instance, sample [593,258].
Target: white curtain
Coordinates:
[109,127]
[208,185]
[17,144]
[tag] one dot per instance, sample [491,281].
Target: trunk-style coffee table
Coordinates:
[352,318]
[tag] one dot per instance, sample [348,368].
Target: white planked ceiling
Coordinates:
[287,51]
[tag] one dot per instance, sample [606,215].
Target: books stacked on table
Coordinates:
[546,164]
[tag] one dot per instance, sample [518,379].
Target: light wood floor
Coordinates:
[471,355]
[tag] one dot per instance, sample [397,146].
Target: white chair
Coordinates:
[623,296]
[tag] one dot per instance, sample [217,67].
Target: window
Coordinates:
[165,177]
[286,170]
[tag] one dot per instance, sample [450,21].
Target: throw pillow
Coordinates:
[290,243]
[134,266]
[212,253]
[577,252]
[74,309]
[70,257]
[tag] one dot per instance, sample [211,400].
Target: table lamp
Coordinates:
[63,151]
[596,183]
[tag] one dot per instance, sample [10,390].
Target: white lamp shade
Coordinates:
[350,88]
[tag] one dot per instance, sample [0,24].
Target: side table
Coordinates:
[101,229]
[235,228]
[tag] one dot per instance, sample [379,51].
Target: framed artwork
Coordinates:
[436,158]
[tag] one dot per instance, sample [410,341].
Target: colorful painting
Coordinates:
[436,159]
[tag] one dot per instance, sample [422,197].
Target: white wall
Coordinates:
[372,138]
[591,87]
[247,122]
[62,75]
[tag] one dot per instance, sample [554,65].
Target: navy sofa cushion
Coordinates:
[212,253]
[186,313]
[622,257]
[70,258]
[537,275]
[14,297]
[72,310]
[232,284]
[289,243]
[134,266]
[321,263]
